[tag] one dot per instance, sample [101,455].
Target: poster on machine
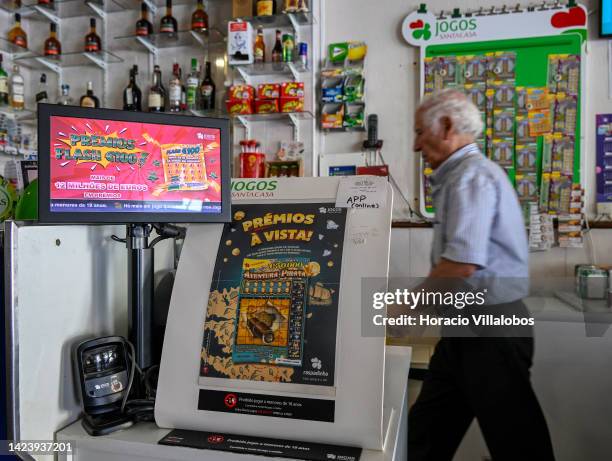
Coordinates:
[273,305]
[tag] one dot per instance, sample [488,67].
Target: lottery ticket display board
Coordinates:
[273,304]
[106,163]
[524,72]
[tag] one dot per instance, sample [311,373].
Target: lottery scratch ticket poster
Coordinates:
[273,306]
[104,165]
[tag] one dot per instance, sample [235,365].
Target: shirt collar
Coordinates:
[437,177]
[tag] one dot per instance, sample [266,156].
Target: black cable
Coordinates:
[140,409]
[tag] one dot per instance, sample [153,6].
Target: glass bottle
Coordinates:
[156,101]
[143,25]
[4,86]
[193,83]
[93,43]
[168,24]
[42,94]
[260,46]
[132,96]
[53,47]
[277,51]
[17,35]
[89,99]
[174,90]
[207,90]
[183,92]
[65,99]
[199,18]
[265,7]
[17,89]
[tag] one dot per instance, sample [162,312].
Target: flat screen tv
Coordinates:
[111,166]
[605,18]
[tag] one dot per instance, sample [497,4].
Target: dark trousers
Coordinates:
[486,379]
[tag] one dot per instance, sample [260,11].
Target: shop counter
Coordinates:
[140,442]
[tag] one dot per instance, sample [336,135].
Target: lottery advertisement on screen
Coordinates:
[133,167]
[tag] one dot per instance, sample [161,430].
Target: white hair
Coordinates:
[464,115]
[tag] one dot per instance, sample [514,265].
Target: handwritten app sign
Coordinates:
[102,165]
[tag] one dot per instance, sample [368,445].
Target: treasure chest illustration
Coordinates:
[265,322]
[318,295]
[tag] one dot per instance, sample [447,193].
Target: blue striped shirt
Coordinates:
[479,221]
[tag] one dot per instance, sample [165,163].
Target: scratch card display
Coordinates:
[184,166]
[521,101]
[476,92]
[526,157]
[271,311]
[562,154]
[273,302]
[503,123]
[502,66]
[539,122]
[565,113]
[560,194]
[537,99]
[527,186]
[522,130]
[502,151]
[503,95]
[564,73]
[475,69]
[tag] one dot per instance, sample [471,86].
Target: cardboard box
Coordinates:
[268,91]
[242,8]
[266,106]
[239,106]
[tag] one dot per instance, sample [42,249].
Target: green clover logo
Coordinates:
[424,33]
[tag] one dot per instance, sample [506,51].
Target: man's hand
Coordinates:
[451,269]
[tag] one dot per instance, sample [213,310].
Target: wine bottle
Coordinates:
[207,91]
[132,96]
[93,43]
[156,101]
[174,90]
[52,47]
[4,86]
[17,89]
[168,24]
[143,25]
[17,35]
[199,18]
[89,99]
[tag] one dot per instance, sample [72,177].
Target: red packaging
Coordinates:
[239,107]
[268,91]
[292,104]
[252,165]
[266,106]
[241,92]
[292,90]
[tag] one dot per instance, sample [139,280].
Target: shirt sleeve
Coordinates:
[470,211]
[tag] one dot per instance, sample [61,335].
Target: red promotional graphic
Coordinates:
[104,165]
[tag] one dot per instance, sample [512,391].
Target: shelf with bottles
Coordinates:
[182,38]
[14,51]
[65,60]
[279,21]
[261,69]
[61,9]
[17,114]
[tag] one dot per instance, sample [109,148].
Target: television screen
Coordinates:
[100,165]
[605,18]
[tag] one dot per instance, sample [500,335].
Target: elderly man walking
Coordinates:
[478,235]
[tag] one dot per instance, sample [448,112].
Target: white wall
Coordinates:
[392,81]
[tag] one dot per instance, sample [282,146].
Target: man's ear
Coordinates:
[446,126]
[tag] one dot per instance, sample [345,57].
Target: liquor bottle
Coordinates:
[89,99]
[93,43]
[132,96]
[4,91]
[265,7]
[42,95]
[17,89]
[199,18]
[17,35]
[277,52]
[193,84]
[174,90]
[207,90]
[143,25]
[168,23]
[65,99]
[260,46]
[183,92]
[53,47]
[157,94]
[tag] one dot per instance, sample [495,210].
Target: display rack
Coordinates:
[183,38]
[533,35]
